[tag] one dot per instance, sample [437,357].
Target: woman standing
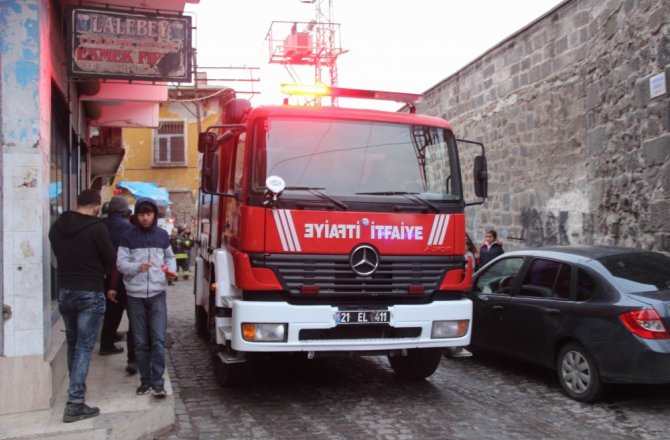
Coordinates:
[490,248]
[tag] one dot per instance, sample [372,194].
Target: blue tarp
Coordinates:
[55,188]
[147,189]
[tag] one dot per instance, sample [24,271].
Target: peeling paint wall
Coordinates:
[25,133]
[578,149]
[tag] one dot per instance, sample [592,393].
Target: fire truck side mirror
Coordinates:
[481,177]
[209,177]
[207,142]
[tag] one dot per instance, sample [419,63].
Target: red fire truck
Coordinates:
[326,230]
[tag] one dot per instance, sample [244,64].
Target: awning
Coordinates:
[147,189]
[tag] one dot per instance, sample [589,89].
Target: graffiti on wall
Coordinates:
[544,228]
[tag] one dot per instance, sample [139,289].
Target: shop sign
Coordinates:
[130,45]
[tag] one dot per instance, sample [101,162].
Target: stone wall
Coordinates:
[578,150]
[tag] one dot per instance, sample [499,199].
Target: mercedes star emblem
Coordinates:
[364,260]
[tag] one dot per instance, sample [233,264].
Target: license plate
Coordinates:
[362,317]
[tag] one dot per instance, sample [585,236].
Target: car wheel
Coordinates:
[417,365]
[578,373]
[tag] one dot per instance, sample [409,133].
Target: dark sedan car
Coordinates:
[595,314]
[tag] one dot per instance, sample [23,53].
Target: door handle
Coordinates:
[497,308]
[552,311]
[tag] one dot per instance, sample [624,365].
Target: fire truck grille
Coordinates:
[395,276]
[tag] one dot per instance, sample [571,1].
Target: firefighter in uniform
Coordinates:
[181,246]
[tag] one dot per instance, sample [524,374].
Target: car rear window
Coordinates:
[639,272]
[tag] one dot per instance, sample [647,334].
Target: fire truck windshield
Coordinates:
[351,159]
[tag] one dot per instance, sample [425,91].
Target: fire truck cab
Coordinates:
[326,230]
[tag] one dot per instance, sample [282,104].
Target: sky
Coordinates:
[391,45]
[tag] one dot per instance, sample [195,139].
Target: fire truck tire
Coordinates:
[226,375]
[201,321]
[417,365]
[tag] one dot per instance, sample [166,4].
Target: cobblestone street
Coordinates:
[481,397]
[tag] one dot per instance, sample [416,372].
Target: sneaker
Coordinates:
[112,349]
[159,392]
[79,411]
[131,368]
[142,390]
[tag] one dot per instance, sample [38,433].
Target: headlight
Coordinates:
[272,332]
[450,329]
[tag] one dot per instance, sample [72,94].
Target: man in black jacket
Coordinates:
[83,250]
[117,223]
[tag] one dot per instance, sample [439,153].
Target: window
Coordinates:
[355,158]
[238,171]
[639,272]
[585,285]
[500,277]
[547,279]
[170,144]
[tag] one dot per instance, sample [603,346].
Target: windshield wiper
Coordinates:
[386,193]
[407,195]
[317,192]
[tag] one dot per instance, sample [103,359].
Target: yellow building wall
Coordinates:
[138,164]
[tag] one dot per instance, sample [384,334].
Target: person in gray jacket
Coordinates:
[145,259]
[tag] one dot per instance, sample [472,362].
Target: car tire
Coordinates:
[417,365]
[578,373]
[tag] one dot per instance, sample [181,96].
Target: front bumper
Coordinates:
[312,318]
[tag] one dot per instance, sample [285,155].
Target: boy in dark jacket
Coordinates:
[83,250]
[145,259]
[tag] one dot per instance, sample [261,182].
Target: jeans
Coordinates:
[82,312]
[148,319]
[110,324]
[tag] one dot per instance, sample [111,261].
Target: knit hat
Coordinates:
[88,197]
[118,204]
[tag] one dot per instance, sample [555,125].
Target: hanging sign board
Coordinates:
[129,45]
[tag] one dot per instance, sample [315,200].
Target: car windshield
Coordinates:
[639,272]
[354,159]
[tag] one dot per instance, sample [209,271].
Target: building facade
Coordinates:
[168,155]
[59,126]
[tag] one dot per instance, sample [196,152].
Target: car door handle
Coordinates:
[497,308]
[552,311]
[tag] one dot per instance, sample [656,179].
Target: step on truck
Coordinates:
[333,231]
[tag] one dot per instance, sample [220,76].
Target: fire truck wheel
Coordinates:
[201,321]
[417,365]
[226,375]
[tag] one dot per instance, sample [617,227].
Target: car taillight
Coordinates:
[645,323]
